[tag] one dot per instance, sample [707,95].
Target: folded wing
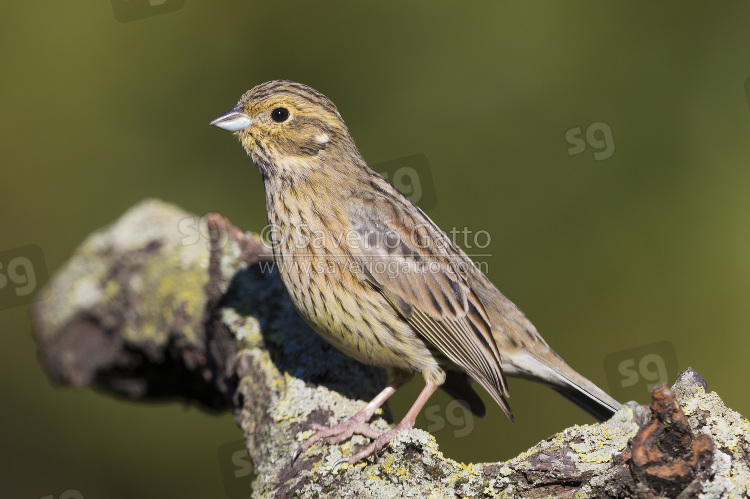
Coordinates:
[423,275]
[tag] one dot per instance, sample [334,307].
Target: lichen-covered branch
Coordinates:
[164,304]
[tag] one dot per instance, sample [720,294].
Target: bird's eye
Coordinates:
[280,114]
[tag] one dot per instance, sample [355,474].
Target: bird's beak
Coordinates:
[233,120]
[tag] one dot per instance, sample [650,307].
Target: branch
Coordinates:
[162,304]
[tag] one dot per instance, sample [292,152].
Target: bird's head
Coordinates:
[288,128]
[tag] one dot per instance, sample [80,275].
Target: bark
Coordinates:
[161,305]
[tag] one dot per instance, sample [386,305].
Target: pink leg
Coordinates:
[384,438]
[356,424]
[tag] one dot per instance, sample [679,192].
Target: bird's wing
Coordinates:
[424,276]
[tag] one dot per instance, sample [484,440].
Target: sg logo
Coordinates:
[456,414]
[132,10]
[598,136]
[193,229]
[236,469]
[22,269]
[633,373]
[411,175]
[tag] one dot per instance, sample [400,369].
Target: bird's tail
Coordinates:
[525,354]
[565,380]
[597,403]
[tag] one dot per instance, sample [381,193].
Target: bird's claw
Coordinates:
[339,462]
[296,454]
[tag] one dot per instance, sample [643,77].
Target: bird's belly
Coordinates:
[351,314]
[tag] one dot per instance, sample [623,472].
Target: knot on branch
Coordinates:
[665,456]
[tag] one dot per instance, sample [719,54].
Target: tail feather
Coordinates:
[601,408]
[565,380]
[525,354]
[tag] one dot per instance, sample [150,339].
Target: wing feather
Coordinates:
[424,276]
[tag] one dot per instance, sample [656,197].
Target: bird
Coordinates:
[373,275]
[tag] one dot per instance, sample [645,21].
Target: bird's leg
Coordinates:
[356,424]
[384,438]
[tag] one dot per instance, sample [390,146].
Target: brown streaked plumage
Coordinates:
[373,275]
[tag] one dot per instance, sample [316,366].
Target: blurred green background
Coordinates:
[651,244]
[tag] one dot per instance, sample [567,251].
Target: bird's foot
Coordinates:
[357,424]
[385,438]
[342,431]
[381,441]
